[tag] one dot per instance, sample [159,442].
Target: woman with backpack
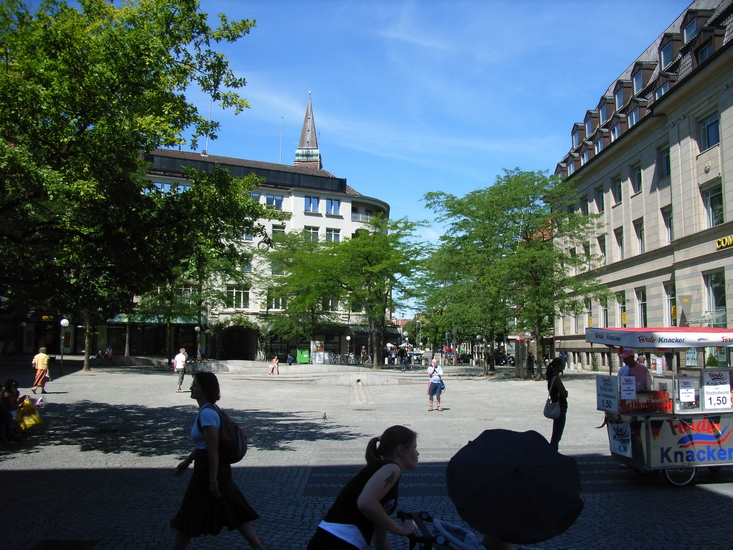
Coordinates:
[212,500]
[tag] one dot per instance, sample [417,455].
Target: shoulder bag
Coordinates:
[552,410]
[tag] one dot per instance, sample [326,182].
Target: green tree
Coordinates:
[523,249]
[86,93]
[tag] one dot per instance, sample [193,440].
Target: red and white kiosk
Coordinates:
[685,421]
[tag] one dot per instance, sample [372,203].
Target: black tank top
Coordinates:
[345,509]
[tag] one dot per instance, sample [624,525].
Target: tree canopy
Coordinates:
[510,253]
[86,93]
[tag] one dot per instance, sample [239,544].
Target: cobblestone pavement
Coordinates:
[100,472]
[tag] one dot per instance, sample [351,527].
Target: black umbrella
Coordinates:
[514,486]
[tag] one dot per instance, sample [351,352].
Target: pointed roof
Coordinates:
[307,153]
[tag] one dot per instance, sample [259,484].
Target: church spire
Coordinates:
[307,153]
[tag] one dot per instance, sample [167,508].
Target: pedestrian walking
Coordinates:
[179,367]
[530,365]
[40,363]
[212,500]
[361,511]
[435,384]
[557,392]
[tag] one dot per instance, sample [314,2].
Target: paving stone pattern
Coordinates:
[101,469]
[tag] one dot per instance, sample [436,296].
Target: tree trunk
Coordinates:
[127,336]
[87,342]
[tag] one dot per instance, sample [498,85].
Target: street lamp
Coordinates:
[198,343]
[348,345]
[64,324]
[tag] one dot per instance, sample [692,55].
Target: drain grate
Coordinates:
[66,545]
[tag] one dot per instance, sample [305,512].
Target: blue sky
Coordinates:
[434,95]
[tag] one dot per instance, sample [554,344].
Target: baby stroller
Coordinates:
[447,535]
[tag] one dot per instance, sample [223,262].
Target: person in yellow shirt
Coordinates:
[40,363]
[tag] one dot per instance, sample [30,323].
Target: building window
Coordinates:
[636,179]
[246,266]
[248,236]
[237,297]
[588,127]
[584,157]
[638,80]
[633,117]
[333,235]
[330,303]
[311,204]
[333,206]
[641,320]
[713,200]
[619,98]
[576,139]
[368,213]
[705,52]
[603,113]
[599,145]
[689,31]
[621,304]
[663,89]
[312,233]
[616,190]
[275,302]
[709,132]
[666,54]
[586,256]
[571,167]
[716,304]
[256,197]
[278,231]
[588,314]
[600,200]
[665,166]
[616,132]
[619,233]
[668,227]
[639,230]
[277,268]
[604,314]
[274,201]
[671,310]
[602,249]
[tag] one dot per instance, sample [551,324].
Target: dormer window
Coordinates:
[619,97]
[666,54]
[638,80]
[576,139]
[603,113]
[598,147]
[588,127]
[663,89]
[584,157]
[705,52]
[616,132]
[633,117]
[689,31]
[571,168]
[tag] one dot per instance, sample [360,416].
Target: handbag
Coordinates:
[442,385]
[552,410]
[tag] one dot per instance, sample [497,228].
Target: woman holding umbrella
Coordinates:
[362,509]
[557,392]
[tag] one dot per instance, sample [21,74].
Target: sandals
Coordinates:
[430,409]
[440,408]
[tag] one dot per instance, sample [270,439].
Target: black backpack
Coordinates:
[232,440]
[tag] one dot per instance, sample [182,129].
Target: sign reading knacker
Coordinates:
[655,338]
[691,442]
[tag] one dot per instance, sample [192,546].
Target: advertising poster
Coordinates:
[607,393]
[619,438]
[687,390]
[693,441]
[717,390]
[628,387]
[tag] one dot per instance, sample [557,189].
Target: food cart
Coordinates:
[685,420]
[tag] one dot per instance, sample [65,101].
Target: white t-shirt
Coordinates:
[180,361]
[209,417]
[435,376]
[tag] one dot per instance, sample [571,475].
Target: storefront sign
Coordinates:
[717,390]
[692,441]
[725,242]
[607,393]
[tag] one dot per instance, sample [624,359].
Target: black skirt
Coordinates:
[202,514]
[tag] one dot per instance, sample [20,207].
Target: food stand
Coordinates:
[685,420]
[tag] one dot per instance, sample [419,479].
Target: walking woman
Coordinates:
[212,500]
[557,393]
[40,363]
[362,509]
